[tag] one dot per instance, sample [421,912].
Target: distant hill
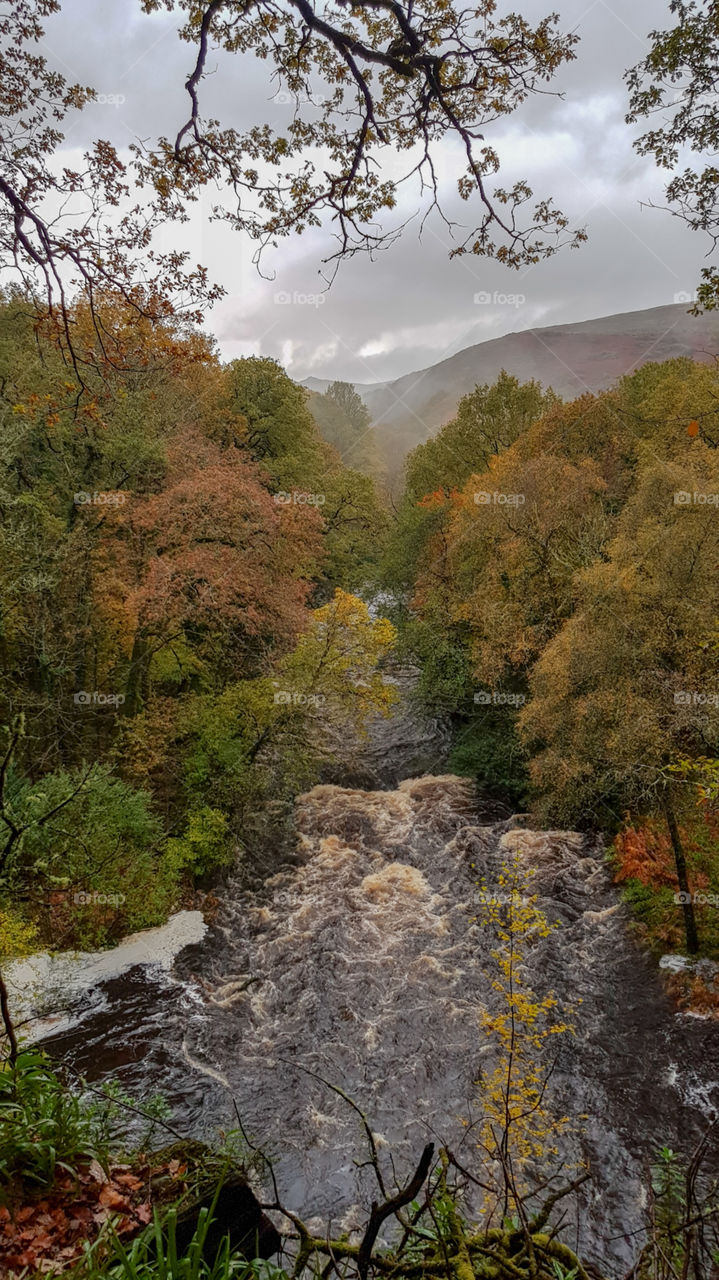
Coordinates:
[320,385]
[571,358]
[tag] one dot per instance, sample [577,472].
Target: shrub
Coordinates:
[96,868]
[18,936]
[644,866]
[204,844]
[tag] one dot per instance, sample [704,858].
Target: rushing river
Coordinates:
[364,961]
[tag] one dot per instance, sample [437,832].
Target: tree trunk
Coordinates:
[7,1022]
[690,924]
[138,680]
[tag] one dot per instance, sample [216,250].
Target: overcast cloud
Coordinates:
[411,306]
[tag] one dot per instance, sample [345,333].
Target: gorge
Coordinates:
[364,962]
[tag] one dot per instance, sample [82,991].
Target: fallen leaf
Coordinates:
[112,1199]
[97,1172]
[128,1180]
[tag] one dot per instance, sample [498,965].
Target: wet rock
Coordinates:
[236,1215]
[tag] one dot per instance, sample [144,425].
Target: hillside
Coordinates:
[571,358]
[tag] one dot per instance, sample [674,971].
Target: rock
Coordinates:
[237,1215]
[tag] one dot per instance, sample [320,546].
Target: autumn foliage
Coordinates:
[565,557]
[170,529]
[645,854]
[52,1230]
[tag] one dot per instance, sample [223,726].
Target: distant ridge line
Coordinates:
[573,358]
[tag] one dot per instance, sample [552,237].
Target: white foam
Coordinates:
[44,983]
[675,964]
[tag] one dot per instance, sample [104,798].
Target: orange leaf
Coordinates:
[112,1199]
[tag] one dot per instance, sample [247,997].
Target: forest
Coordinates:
[191,571]
[179,561]
[187,578]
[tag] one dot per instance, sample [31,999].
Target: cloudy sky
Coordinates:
[412,306]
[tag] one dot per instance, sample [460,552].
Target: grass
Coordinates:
[45,1126]
[50,1134]
[154,1255]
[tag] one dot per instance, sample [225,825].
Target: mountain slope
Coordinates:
[571,358]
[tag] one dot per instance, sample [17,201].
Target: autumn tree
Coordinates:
[488,420]
[663,404]
[393,82]
[494,585]
[164,537]
[518,537]
[504,547]
[212,559]
[674,88]
[76,480]
[153,573]
[434,542]
[519,1130]
[341,654]
[492,570]
[628,684]
[60,228]
[64,468]
[272,419]
[126,518]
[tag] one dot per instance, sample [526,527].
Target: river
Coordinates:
[364,960]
